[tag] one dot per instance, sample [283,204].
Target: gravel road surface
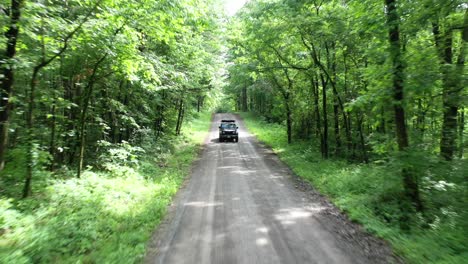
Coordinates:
[241,204]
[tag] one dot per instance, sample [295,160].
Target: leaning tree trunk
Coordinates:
[286,94]
[410,182]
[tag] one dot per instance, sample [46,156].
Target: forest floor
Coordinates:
[243,205]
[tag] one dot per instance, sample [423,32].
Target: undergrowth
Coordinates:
[369,194]
[106,216]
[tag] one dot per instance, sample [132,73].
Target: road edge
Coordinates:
[155,241]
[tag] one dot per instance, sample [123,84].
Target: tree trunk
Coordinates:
[336,121]
[318,121]
[53,126]
[112,115]
[362,141]
[325,118]
[286,94]
[410,182]
[71,95]
[30,133]
[85,104]
[347,117]
[159,123]
[450,110]
[244,98]
[461,129]
[179,117]
[453,84]
[288,121]
[182,119]
[82,138]
[7,75]
[200,100]
[420,122]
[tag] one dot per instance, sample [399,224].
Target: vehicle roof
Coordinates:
[228,121]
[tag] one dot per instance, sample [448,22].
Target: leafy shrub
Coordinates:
[117,156]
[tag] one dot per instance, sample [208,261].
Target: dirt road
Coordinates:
[242,205]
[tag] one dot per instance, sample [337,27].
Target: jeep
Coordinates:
[228,130]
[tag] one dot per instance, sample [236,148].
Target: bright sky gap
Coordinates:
[232,6]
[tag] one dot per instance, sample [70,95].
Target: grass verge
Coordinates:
[104,217]
[369,195]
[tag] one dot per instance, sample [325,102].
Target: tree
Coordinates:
[7,73]
[410,183]
[452,61]
[43,62]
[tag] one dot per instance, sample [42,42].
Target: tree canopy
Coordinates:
[76,74]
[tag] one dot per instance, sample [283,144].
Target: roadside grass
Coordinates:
[369,195]
[107,216]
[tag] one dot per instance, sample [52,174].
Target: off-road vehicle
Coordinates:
[228,130]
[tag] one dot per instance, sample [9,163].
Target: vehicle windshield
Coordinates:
[228,125]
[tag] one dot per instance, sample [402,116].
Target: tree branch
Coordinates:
[67,38]
[293,66]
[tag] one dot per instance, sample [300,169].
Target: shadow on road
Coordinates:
[216,140]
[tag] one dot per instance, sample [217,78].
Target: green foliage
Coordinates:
[121,155]
[105,216]
[195,130]
[328,63]
[15,170]
[106,71]
[371,194]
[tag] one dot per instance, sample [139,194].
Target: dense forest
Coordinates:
[357,76]
[366,81]
[78,76]
[97,94]
[97,88]
[381,83]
